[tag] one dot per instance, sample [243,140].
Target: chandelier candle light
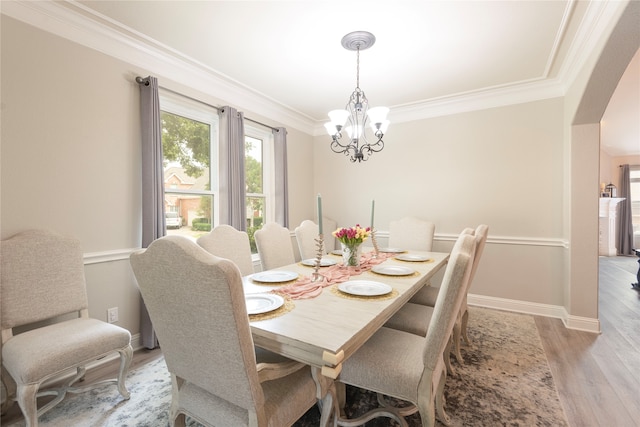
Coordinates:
[319,245]
[357,112]
[373,232]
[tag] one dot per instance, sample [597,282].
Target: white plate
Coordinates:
[412,257]
[364,287]
[393,270]
[262,303]
[392,250]
[324,262]
[274,276]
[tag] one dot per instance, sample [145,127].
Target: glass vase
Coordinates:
[351,254]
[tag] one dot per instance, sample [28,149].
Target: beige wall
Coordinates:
[500,166]
[70,156]
[610,166]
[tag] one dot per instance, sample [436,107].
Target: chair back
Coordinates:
[274,246]
[306,235]
[481,234]
[452,292]
[227,242]
[328,227]
[42,278]
[196,303]
[411,233]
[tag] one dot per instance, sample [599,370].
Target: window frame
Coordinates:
[268,172]
[182,106]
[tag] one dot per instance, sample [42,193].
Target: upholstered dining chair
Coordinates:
[197,306]
[227,242]
[44,303]
[411,233]
[425,299]
[329,225]
[273,242]
[415,318]
[407,366]
[306,235]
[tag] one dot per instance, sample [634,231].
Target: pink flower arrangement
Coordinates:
[352,236]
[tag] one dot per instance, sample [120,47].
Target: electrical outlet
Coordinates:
[112,315]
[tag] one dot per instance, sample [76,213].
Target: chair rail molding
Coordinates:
[108,256]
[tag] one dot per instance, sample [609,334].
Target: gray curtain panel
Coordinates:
[153,225]
[281,180]
[232,183]
[625,225]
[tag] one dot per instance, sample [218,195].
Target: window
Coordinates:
[258,179]
[189,144]
[190,150]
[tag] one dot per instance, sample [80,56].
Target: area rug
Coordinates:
[505,381]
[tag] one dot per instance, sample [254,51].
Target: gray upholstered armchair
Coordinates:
[411,233]
[43,282]
[274,246]
[407,366]
[197,306]
[425,299]
[227,242]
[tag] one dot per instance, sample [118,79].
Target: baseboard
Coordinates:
[586,324]
[559,312]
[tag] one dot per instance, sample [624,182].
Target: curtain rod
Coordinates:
[145,81]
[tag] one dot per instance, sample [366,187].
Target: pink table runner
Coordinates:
[304,288]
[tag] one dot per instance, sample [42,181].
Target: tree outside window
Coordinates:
[189,134]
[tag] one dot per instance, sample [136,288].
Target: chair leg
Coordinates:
[456,341]
[10,388]
[126,355]
[374,413]
[440,399]
[447,355]
[341,396]
[465,320]
[26,397]
[179,420]
[330,410]
[426,405]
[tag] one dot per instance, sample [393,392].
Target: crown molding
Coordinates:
[73,21]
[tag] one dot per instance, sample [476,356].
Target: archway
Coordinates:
[581,297]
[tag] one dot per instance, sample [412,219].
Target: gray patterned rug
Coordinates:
[505,381]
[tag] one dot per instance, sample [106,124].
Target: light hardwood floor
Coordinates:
[597,376]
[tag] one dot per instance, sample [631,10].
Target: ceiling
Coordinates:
[290,51]
[426,54]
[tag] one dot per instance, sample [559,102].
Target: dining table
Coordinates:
[324,327]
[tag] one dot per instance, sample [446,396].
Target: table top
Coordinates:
[327,329]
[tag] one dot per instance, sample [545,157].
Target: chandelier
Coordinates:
[357,112]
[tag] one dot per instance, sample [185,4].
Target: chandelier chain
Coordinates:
[358,67]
